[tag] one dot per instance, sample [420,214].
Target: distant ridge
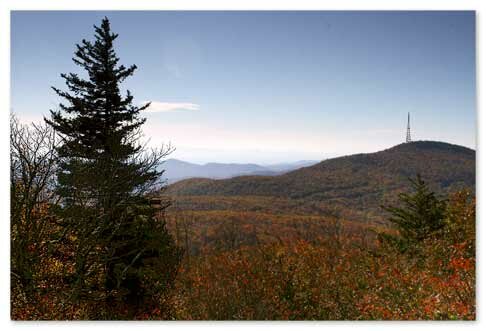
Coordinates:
[360,181]
[176,170]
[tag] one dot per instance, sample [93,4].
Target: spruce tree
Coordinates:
[104,179]
[420,214]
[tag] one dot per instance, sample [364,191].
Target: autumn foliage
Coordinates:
[263,266]
[341,276]
[93,236]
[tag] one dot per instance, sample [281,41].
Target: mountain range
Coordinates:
[176,170]
[360,182]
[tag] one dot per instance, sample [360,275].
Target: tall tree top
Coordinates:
[95,116]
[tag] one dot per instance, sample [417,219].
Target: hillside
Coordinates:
[360,182]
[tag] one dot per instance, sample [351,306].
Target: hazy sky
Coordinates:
[269,87]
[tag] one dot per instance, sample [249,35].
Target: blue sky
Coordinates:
[268,87]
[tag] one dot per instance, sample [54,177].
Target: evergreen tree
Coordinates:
[104,178]
[420,215]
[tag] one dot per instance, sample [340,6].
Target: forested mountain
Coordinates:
[361,181]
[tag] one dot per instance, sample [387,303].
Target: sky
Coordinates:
[268,87]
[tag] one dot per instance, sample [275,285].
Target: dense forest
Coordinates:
[95,234]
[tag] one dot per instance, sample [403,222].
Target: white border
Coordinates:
[7,5]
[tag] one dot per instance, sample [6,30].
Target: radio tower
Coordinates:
[409,138]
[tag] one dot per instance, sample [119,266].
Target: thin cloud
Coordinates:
[162,107]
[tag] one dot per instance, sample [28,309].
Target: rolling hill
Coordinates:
[360,182]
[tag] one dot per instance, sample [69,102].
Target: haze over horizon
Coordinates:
[269,87]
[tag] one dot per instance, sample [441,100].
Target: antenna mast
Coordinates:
[409,138]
